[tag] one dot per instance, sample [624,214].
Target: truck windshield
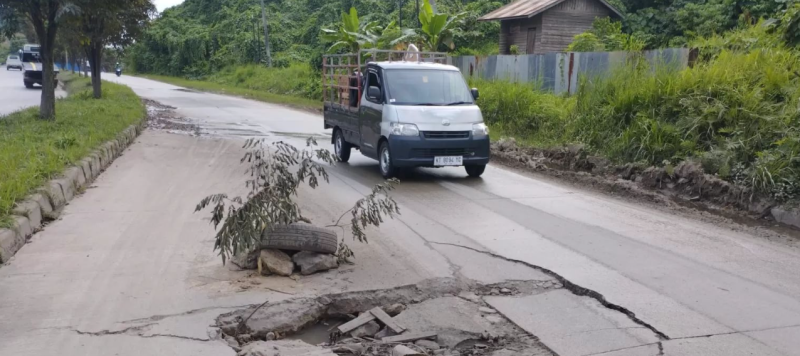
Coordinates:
[427,87]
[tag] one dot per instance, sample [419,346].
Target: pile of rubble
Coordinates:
[296,247]
[441,316]
[376,332]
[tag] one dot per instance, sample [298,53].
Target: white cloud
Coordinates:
[163,4]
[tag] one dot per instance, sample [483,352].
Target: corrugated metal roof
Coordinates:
[527,8]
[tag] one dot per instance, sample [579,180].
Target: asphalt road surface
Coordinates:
[13,94]
[129,270]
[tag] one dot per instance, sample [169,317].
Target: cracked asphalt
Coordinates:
[129,268]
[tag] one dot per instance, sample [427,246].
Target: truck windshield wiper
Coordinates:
[427,104]
[458,103]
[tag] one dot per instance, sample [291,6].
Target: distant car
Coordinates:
[13,61]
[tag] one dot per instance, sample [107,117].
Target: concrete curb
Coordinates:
[46,204]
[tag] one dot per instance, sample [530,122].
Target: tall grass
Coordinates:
[33,151]
[737,112]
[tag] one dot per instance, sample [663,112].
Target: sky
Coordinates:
[163,4]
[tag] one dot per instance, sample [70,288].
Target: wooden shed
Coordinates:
[541,26]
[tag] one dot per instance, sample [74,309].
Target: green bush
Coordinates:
[533,115]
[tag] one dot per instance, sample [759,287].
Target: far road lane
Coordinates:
[13,94]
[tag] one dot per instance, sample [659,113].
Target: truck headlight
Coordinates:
[405,130]
[480,130]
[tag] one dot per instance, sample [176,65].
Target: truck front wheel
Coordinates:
[341,147]
[475,171]
[29,85]
[388,170]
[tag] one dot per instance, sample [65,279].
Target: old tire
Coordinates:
[300,237]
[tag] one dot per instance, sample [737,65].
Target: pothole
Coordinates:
[442,316]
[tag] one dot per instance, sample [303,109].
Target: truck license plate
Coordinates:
[448,161]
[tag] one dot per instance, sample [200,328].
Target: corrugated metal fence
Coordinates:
[559,72]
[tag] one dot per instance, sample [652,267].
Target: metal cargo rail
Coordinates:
[341,79]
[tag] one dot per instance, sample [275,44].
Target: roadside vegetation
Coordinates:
[33,151]
[737,112]
[259,83]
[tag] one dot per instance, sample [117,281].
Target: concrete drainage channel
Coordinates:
[443,316]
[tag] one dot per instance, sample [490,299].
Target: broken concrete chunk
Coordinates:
[410,337]
[352,348]
[428,344]
[387,320]
[277,262]
[472,297]
[505,291]
[283,348]
[367,330]
[29,209]
[232,342]
[486,310]
[401,350]
[394,309]
[385,332]
[246,260]
[494,319]
[311,262]
[352,324]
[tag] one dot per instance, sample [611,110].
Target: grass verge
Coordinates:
[33,151]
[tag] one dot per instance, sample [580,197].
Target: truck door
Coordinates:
[371,113]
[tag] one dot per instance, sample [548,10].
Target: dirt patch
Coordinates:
[685,185]
[164,118]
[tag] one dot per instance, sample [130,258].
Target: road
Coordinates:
[13,94]
[129,270]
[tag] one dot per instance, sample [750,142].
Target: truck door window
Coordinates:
[374,81]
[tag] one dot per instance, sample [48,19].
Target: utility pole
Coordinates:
[266,33]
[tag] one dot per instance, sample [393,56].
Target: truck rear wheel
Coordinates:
[388,169]
[29,85]
[341,147]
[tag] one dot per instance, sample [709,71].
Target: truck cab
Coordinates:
[408,114]
[32,65]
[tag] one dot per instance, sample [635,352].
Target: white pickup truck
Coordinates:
[404,113]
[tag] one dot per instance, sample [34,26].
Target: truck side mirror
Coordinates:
[374,93]
[475,93]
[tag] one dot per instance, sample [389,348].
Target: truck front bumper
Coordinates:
[417,151]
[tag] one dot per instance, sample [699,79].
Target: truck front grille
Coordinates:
[445,134]
[435,152]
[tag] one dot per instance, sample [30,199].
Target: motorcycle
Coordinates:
[119,72]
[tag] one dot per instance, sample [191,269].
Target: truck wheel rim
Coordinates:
[385,160]
[339,144]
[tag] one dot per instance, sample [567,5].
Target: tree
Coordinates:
[437,29]
[276,171]
[44,16]
[352,33]
[104,22]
